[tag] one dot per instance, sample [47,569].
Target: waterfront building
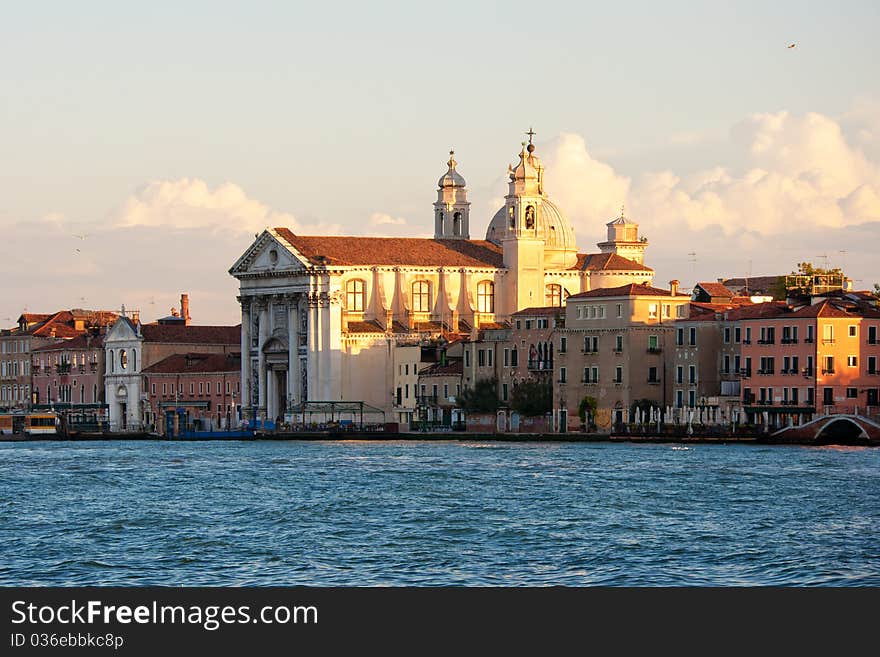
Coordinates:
[34,330]
[194,392]
[616,351]
[818,358]
[322,315]
[68,377]
[130,347]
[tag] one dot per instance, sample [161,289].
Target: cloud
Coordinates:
[191,203]
[382,219]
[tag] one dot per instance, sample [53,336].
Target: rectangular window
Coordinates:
[653,343]
[726,335]
[434,391]
[679,398]
[852,361]
[852,393]
[618,374]
[406,391]
[652,311]
[872,335]
[528,324]
[872,364]
[406,369]
[481,358]
[828,333]
[652,375]
[218,387]
[737,334]
[152,389]
[748,338]
[679,374]
[503,392]
[594,371]
[561,375]
[200,387]
[618,343]
[227,387]
[507,357]
[578,309]
[795,365]
[809,371]
[726,364]
[692,398]
[828,367]
[828,396]
[853,331]
[164,388]
[562,345]
[192,388]
[446,391]
[620,310]
[667,310]
[693,335]
[810,397]
[519,324]
[514,357]
[491,353]
[736,364]
[467,357]
[679,336]
[692,374]
[794,396]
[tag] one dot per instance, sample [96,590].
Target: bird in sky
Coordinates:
[792,45]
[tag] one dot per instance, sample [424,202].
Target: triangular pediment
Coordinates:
[122,330]
[268,253]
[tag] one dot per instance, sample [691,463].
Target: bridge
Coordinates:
[843,429]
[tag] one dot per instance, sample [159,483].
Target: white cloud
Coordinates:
[382,219]
[191,203]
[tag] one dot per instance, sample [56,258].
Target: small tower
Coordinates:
[623,239]
[452,209]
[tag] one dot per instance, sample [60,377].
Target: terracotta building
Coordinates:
[194,392]
[33,331]
[819,358]
[68,377]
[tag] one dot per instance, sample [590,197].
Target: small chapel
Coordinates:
[321,315]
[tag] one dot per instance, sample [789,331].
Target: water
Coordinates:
[431,513]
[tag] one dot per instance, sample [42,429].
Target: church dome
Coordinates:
[552,226]
[451,178]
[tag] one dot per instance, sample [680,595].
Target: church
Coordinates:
[321,315]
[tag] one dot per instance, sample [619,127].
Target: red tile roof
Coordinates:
[717,290]
[451,367]
[82,341]
[196,364]
[402,251]
[181,334]
[607,262]
[540,311]
[628,290]
[371,326]
[766,310]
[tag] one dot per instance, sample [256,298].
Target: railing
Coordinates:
[586,382]
[766,372]
[874,341]
[653,381]
[766,341]
[831,371]
[809,340]
[745,372]
[654,350]
[540,365]
[747,341]
[789,340]
[827,340]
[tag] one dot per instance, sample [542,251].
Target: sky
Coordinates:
[142,145]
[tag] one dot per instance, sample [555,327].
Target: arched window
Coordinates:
[111,364]
[553,295]
[355,295]
[123,359]
[486,297]
[421,297]
[134,359]
[456,224]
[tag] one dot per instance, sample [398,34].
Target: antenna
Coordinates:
[824,256]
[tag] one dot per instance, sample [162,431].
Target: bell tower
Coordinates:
[521,241]
[623,239]
[451,209]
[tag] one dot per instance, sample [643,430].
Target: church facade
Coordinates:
[322,315]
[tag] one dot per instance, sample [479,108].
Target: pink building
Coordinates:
[194,392]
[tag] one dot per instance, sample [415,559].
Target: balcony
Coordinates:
[808,372]
[789,340]
[766,341]
[653,381]
[873,341]
[747,341]
[654,350]
[827,340]
[873,372]
[745,373]
[540,365]
[766,372]
[831,371]
[586,382]
[808,341]
[589,350]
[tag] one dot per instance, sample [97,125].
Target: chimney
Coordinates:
[721,280]
[673,286]
[184,308]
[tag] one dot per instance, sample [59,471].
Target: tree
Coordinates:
[807,269]
[482,398]
[532,398]
[588,405]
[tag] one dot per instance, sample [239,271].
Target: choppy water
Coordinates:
[428,513]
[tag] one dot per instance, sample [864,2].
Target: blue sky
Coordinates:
[334,113]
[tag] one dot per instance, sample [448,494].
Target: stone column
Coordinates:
[244,399]
[263,309]
[314,347]
[293,347]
